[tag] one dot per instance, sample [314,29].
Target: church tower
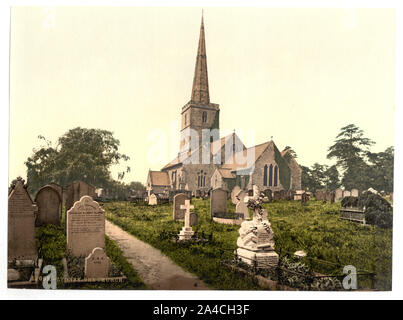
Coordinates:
[199,113]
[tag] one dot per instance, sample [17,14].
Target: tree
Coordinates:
[331,178]
[380,171]
[137,186]
[80,154]
[350,149]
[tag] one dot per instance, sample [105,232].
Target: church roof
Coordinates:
[213,150]
[200,90]
[159,178]
[258,150]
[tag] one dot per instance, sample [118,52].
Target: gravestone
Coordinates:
[234,193]
[330,196]
[290,194]
[58,188]
[218,202]
[276,195]
[346,193]
[268,194]
[21,223]
[152,200]
[320,195]
[49,204]
[186,233]
[179,200]
[283,194]
[354,192]
[85,227]
[76,190]
[97,264]
[198,193]
[241,206]
[193,219]
[338,194]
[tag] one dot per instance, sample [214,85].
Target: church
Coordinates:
[207,161]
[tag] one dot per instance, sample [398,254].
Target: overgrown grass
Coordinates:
[331,243]
[155,226]
[52,243]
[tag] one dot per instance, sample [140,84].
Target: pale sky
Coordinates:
[298,75]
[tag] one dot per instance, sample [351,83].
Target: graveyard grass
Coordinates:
[51,241]
[331,243]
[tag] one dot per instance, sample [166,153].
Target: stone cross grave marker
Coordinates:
[97,264]
[49,204]
[186,233]
[21,224]
[85,227]
[218,202]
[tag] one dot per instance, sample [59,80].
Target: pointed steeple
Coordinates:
[200,91]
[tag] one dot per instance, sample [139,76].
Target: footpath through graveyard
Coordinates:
[156,270]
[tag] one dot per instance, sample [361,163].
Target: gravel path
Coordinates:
[155,269]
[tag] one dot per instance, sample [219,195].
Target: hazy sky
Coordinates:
[298,75]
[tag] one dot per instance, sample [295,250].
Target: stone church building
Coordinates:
[206,161]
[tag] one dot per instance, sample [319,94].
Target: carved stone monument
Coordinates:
[256,237]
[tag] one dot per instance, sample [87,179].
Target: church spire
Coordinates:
[200,91]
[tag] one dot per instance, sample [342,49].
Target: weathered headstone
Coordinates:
[283,194]
[49,205]
[193,219]
[152,200]
[320,195]
[256,237]
[329,196]
[21,223]
[97,264]
[354,192]
[186,233]
[198,193]
[268,194]
[276,195]
[179,200]
[218,202]
[234,193]
[346,193]
[85,227]
[241,206]
[76,190]
[338,194]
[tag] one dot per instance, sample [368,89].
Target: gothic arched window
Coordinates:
[275,176]
[204,116]
[271,175]
[265,175]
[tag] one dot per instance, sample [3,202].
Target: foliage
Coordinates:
[320,177]
[136,186]
[380,171]
[80,154]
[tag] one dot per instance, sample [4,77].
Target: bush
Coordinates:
[378,211]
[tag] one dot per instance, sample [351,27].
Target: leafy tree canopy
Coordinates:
[80,154]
